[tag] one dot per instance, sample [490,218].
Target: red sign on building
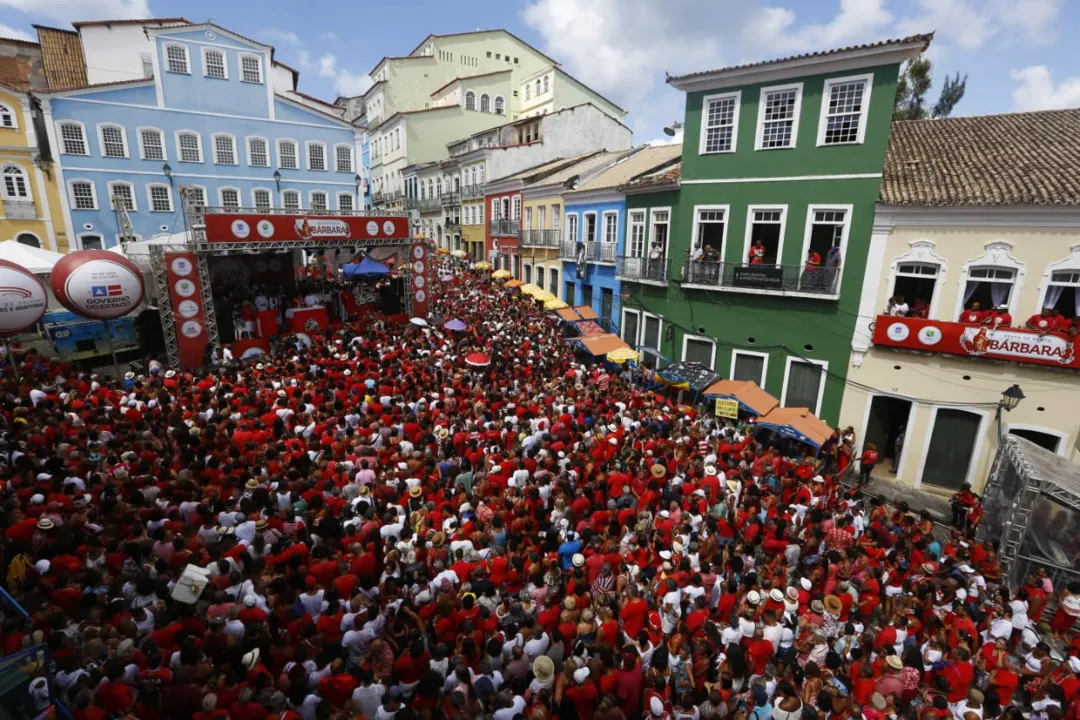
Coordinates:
[230,228]
[189,315]
[1015,344]
[420,279]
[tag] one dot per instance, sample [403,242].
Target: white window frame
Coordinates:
[134,196]
[150,198]
[823,364]
[483,97]
[205,195]
[142,147]
[239,195]
[751,353]
[737,95]
[180,154]
[652,230]
[659,332]
[759,129]
[307,155]
[498,105]
[603,226]
[622,323]
[352,160]
[250,162]
[311,202]
[474,100]
[123,139]
[90,233]
[998,254]
[71,194]
[224,62]
[922,252]
[1069,264]
[631,224]
[240,67]
[845,234]
[187,58]
[60,137]
[750,210]
[25,183]
[337,201]
[6,109]
[585,225]
[299,198]
[726,209]
[296,153]
[864,113]
[235,151]
[269,193]
[702,338]
[572,237]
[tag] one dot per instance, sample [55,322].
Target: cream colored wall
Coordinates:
[18,146]
[935,381]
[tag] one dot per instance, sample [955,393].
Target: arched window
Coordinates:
[992,279]
[470,100]
[500,105]
[28,239]
[16,186]
[485,103]
[7,118]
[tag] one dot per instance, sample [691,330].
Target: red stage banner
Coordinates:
[419,280]
[189,315]
[230,228]
[1015,344]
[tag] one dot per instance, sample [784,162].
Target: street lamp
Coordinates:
[277,179]
[671,129]
[168,172]
[625,296]
[1008,402]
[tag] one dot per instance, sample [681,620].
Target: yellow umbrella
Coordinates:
[530,289]
[500,274]
[458,253]
[621,355]
[483,265]
[555,304]
[513,284]
[543,296]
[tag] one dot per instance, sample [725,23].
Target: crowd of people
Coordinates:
[389,532]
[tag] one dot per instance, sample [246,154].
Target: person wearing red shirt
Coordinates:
[1043,322]
[1005,680]
[759,652]
[958,674]
[583,694]
[998,317]
[113,695]
[973,315]
[633,613]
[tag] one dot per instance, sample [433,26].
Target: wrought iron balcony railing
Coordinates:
[541,238]
[642,269]
[778,278]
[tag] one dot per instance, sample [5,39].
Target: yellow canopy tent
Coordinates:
[623,355]
[543,296]
[555,304]
[530,289]
[500,274]
[482,265]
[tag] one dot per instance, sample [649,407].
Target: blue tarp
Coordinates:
[366,269]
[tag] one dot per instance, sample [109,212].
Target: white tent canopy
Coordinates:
[36,260]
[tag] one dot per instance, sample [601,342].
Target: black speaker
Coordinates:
[391,296]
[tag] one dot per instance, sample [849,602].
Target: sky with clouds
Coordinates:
[1015,52]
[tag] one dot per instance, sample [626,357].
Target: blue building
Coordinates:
[213,114]
[595,235]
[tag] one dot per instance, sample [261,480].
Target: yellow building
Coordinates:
[979,210]
[31,211]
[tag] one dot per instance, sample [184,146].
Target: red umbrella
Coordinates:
[478,359]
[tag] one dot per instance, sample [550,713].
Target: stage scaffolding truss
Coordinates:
[1032,502]
[204,247]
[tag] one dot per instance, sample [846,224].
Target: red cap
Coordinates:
[311,581]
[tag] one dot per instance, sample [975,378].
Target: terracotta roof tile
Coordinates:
[664,180]
[62,57]
[644,161]
[923,38]
[993,160]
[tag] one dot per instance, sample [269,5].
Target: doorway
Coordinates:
[607,299]
[885,424]
[1042,439]
[569,299]
[952,443]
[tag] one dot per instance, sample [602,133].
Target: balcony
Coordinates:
[430,205]
[642,270]
[976,341]
[452,225]
[591,252]
[472,192]
[412,203]
[380,198]
[541,238]
[451,198]
[766,279]
[504,228]
[20,209]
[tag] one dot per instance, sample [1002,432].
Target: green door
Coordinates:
[949,456]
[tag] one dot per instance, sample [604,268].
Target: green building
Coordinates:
[751,258]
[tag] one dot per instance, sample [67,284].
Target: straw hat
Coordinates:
[252,484]
[251,659]
[658,470]
[793,594]
[817,607]
[776,596]
[260,525]
[46,524]
[543,668]
[438,539]
[416,491]
[441,433]
[578,559]
[894,662]
[365,490]
[753,597]
[170,373]
[833,604]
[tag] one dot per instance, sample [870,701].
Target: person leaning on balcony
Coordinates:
[897,306]
[974,315]
[1044,322]
[813,259]
[998,317]
[757,253]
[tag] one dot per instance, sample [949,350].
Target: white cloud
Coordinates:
[1036,20]
[1037,91]
[346,82]
[957,21]
[6,31]
[280,37]
[65,11]
[857,21]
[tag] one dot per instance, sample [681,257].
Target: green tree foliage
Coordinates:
[914,84]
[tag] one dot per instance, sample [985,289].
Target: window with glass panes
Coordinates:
[112,141]
[843,116]
[194,195]
[343,158]
[153,145]
[345,202]
[571,228]
[160,198]
[224,150]
[230,198]
[710,231]
[290,200]
[611,228]
[287,154]
[215,64]
[318,201]
[176,59]
[698,350]
[636,244]
[749,367]
[778,118]
[123,196]
[82,192]
[630,327]
[190,150]
[316,156]
[258,155]
[804,383]
[720,124]
[659,232]
[250,69]
[261,199]
[15,185]
[73,139]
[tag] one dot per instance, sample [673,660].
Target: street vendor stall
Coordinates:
[798,424]
[599,345]
[751,399]
[692,377]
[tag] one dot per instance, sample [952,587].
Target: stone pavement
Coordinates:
[885,485]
